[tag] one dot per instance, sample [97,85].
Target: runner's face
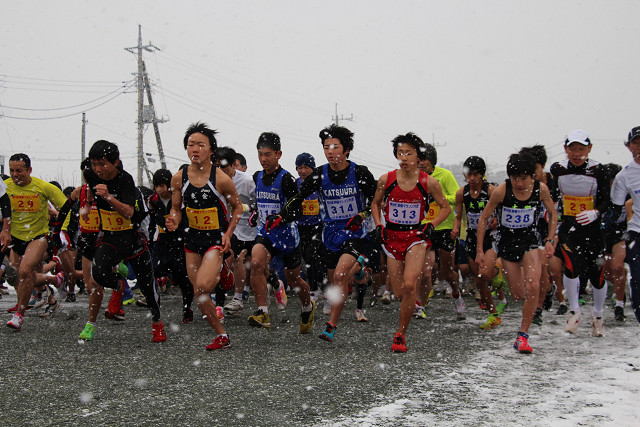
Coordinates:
[474,178]
[104,168]
[304,171]
[426,166]
[334,151]
[20,174]
[269,159]
[199,148]
[634,147]
[577,153]
[521,182]
[163,191]
[407,157]
[225,167]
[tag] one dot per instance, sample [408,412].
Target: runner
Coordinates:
[345,191]
[472,199]
[244,235]
[168,247]
[203,195]
[402,195]
[443,239]
[274,189]
[519,200]
[584,194]
[627,182]
[120,210]
[29,227]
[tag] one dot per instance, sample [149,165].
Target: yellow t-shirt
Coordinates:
[29,212]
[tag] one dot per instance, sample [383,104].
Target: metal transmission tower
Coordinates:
[140,83]
[150,117]
[337,119]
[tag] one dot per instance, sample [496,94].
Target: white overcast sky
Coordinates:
[477,77]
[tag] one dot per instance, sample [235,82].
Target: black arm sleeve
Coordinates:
[5,206]
[62,215]
[603,195]
[368,186]
[293,208]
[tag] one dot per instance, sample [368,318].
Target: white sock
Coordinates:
[572,288]
[619,303]
[237,296]
[264,309]
[599,298]
[307,308]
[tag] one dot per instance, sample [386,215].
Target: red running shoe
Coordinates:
[522,343]
[399,344]
[221,341]
[157,329]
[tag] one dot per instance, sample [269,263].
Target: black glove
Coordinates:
[381,234]
[272,222]
[253,218]
[425,232]
[354,223]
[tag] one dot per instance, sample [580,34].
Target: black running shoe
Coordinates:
[70,298]
[618,312]
[562,309]
[548,298]
[537,318]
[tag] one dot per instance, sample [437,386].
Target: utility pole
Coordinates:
[337,119]
[154,119]
[137,50]
[82,145]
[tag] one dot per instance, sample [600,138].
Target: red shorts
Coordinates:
[399,242]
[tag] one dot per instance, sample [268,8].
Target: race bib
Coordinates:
[404,213]
[573,205]
[203,219]
[517,218]
[432,213]
[266,209]
[92,224]
[113,221]
[310,207]
[472,220]
[25,203]
[342,208]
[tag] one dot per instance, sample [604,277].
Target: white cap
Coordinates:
[579,136]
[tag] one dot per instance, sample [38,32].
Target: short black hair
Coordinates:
[474,164]
[431,153]
[57,184]
[269,140]
[413,140]
[21,157]
[85,164]
[162,176]
[612,169]
[199,127]
[226,156]
[521,164]
[344,135]
[538,152]
[240,158]
[67,191]
[102,149]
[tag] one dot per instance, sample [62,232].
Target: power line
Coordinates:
[53,80]
[71,106]
[64,115]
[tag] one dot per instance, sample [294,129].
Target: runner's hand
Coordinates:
[587,217]
[381,234]
[355,223]
[425,233]
[272,222]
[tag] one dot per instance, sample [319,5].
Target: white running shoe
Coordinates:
[458,303]
[234,306]
[15,322]
[360,317]
[597,327]
[419,312]
[51,309]
[326,309]
[572,323]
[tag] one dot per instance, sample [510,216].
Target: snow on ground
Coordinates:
[568,380]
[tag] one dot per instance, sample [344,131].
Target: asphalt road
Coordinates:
[276,377]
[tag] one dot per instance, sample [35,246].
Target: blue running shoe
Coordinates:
[328,332]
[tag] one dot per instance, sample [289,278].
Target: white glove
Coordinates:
[587,217]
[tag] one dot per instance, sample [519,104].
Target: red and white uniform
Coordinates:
[403,213]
